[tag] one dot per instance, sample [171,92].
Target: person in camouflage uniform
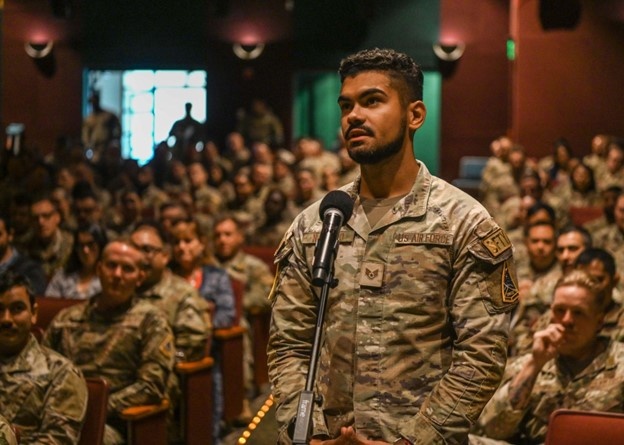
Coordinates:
[256,277]
[42,394]
[571,241]
[570,366]
[116,336]
[416,328]
[7,436]
[600,266]
[188,314]
[48,243]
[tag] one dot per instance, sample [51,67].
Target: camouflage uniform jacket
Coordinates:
[131,347]
[609,238]
[599,387]
[187,313]
[255,274]
[7,437]
[416,329]
[44,395]
[53,256]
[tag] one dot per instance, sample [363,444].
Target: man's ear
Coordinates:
[417,112]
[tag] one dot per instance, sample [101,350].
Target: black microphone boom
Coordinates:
[335,210]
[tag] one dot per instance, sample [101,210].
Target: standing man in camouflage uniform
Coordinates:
[42,393]
[416,329]
[117,336]
[188,314]
[570,366]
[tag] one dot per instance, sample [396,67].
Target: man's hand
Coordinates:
[546,344]
[348,436]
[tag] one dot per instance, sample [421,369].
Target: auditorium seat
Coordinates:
[48,307]
[574,427]
[196,409]
[95,419]
[582,215]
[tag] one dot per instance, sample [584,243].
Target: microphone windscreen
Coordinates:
[337,199]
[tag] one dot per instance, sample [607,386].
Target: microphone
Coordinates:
[335,210]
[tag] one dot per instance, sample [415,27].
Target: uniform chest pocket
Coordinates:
[418,271]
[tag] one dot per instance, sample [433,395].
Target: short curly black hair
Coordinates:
[398,65]
[11,279]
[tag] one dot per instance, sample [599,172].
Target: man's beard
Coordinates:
[375,154]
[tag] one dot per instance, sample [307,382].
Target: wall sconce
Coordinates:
[449,52]
[248,52]
[39,50]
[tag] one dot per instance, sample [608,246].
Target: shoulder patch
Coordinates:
[509,288]
[497,243]
[166,346]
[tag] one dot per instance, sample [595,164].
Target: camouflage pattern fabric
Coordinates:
[131,347]
[6,433]
[415,333]
[44,395]
[599,387]
[187,313]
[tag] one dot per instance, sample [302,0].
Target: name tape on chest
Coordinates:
[440,239]
[345,236]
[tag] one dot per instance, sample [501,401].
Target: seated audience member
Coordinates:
[612,173]
[42,394]
[608,198]
[557,166]
[13,260]
[308,190]
[7,436]
[191,262]
[172,212]
[279,216]
[128,216]
[187,313]
[48,244]
[257,279]
[214,285]
[596,159]
[581,190]
[86,207]
[538,212]
[611,237]
[599,265]
[571,241]
[118,336]
[79,279]
[207,199]
[570,365]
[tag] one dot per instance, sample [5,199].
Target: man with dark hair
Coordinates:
[48,244]
[188,314]
[13,260]
[416,327]
[42,393]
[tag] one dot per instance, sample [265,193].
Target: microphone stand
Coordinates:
[303,419]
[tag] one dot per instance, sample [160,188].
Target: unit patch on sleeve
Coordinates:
[509,287]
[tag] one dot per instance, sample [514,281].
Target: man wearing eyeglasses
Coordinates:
[48,243]
[186,311]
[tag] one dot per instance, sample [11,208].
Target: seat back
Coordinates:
[574,427]
[265,253]
[48,307]
[95,420]
[582,215]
